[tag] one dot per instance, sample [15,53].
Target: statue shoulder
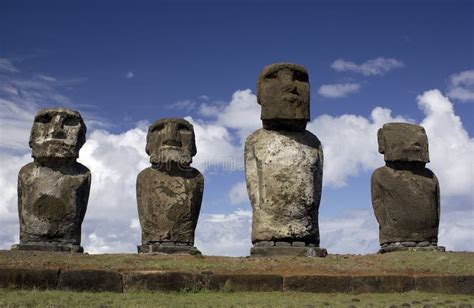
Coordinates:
[27,169]
[255,136]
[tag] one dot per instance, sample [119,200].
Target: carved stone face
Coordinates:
[403,142]
[283,93]
[171,140]
[57,133]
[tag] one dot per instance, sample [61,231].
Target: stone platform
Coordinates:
[433,272]
[49,247]
[132,281]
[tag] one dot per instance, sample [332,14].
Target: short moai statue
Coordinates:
[284,167]
[405,194]
[169,193]
[53,191]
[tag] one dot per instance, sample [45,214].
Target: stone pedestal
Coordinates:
[289,251]
[286,249]
[169,248]
[401,248]
[49,247]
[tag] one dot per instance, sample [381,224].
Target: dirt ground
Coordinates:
[406,263]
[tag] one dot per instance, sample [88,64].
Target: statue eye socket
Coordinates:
[157,128]
[44,119]
[184,129]
[71,121]
[271,75]
[301,76]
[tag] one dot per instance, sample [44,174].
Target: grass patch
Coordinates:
[212,299]
[406,262]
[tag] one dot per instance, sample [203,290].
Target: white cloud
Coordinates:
[461,86]
[216,150]
[238,193]
[7,66]
[350,144]
[130,75]
[338,90]
[225,234]
[378,66]
[451,148]
[242,113]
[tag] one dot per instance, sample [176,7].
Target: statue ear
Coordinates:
[148,143]
[381,140]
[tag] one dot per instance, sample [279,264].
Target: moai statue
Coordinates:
[284,167]
[169,193]
[54,189]
[405,194]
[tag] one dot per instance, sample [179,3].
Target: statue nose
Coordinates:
[171,136]
[55,129]
[289,87]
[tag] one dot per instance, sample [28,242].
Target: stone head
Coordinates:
[403,142]
[171,140]
[57,133]
[283,93]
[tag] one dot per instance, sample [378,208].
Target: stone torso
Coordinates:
[168,204]
[406,204]
[284,176]
[52,202]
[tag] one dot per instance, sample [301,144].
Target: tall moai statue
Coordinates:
[405,194]
[284,167]
[53,191]
[169,193]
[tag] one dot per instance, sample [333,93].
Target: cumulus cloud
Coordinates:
[338,90]
[129,75]
[461,86]
[451,148]
[242,113]
[225,234]
[216,150]
[238,193]
[350,143]
[378,66]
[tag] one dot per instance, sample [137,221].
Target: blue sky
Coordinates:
[122,65]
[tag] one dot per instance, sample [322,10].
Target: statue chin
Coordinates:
[55,150]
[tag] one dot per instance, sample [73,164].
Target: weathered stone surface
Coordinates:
[162,281]
[415,248]
[49,246]
[169,193]
[383,284]
[283,93]
[405,194]
[453,284]
[53,191]
[28,278]
[172,250]
[283,161]
[90,280]
[318,284]
[245,283]
[403,142]
[287,251]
